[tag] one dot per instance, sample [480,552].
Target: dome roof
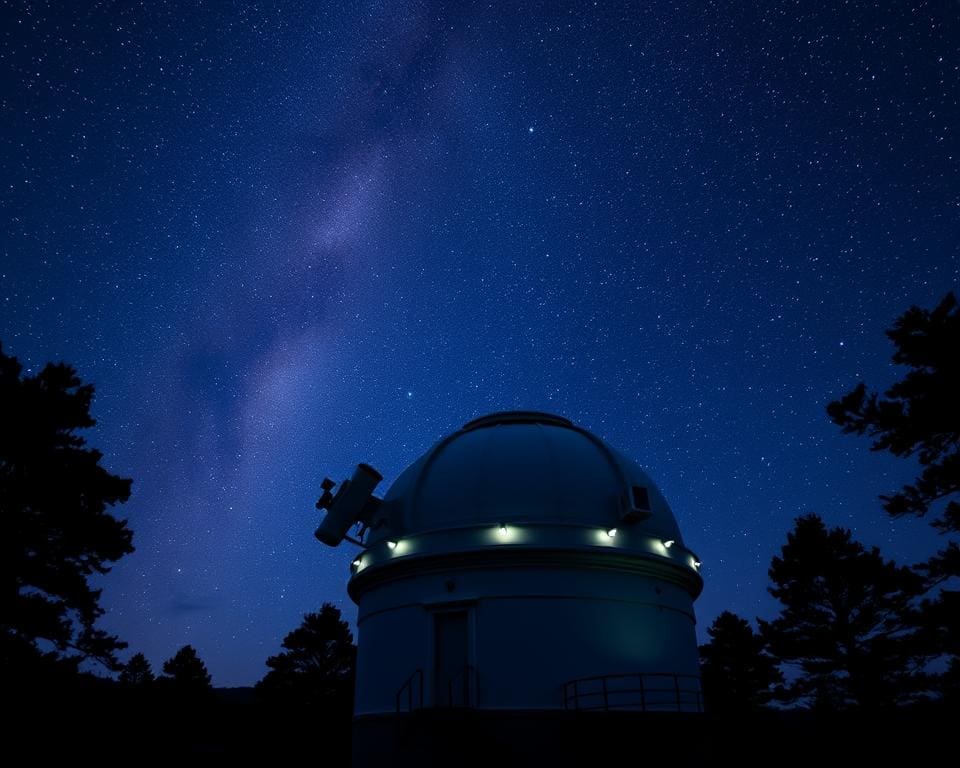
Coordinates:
[523,467]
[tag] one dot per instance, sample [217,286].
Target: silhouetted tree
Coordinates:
[939,616]
[317,667]
[920,415]
[186,671]
[736,671]
[845,622]
[56,529]
[137,672]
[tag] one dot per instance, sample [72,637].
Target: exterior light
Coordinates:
[357,563]
[696,563]
[502,530]
[669,543]
[611,532]
[392,544]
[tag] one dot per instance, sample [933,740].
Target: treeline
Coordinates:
[56,502]
[856,631]
[315,669]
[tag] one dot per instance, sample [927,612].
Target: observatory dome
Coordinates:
[523,467]
[520,565]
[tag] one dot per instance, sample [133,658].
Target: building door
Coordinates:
[452,673]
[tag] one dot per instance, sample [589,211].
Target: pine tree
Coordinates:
[57,531]
[736,671]
[317,667]
[137,672]
[920,416]
[846,623]
[186,671]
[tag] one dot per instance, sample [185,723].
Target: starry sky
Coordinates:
[283,238]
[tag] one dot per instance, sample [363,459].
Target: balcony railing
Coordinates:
[411,693]
[640,692]
[460,690]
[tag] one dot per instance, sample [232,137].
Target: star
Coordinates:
[245,285]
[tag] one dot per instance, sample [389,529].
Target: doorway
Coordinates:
[453,681]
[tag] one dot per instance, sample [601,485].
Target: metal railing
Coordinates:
[461,691]
[462,688]
[413,688]
[643,692]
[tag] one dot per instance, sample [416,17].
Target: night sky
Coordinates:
[282,239]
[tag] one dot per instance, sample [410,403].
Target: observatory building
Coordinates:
[521,565]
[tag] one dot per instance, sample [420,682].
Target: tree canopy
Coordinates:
[847,621]
[186,671]
[317,666]
[136,672]
[736,671]
[920,414]
[54,497]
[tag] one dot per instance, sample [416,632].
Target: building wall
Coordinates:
[530,630]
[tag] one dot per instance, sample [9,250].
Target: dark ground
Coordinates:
[598,738]
[105,722]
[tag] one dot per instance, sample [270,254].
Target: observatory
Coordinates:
[519,565]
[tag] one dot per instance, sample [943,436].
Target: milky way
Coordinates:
[285,240]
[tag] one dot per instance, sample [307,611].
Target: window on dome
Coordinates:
[641,499]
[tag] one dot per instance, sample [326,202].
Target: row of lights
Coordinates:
[503,531]
[612,533]
[358,561]
[667,543]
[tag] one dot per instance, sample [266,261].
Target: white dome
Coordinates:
[523,467]
[518,557]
